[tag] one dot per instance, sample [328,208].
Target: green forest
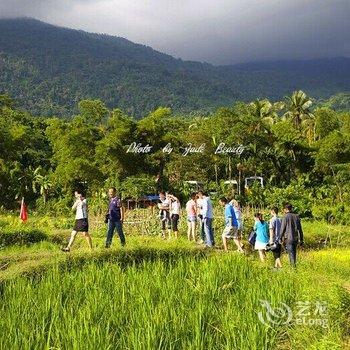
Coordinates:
[248,246]
[302,151]
[49,69]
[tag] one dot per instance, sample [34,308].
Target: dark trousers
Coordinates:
[112,225]
[291,248]
[201,230]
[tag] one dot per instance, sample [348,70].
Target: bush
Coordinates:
[296,193]
[137,186]
[333,214]
[21,237]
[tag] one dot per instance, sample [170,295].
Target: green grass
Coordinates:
[187,303]
[156,294]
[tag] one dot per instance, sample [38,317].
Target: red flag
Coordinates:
[24,211]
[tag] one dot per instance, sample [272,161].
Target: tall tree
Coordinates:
[298,107]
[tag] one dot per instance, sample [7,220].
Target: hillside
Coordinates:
[47,69]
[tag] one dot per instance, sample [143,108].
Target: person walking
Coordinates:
[164,213]
[199,210]
[262,235]
[231,224]
[115,218]
[191,210]
[81,220]
[275,236]
[175,207]
[238,212]
[207,219]
[291,233]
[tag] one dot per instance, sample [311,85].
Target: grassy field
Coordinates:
[172,294]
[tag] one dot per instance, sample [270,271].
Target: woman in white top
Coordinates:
[174,214]
[81,220]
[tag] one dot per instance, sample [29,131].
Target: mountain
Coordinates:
[48,69]
[339,102]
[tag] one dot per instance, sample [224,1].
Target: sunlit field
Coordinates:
[167,294]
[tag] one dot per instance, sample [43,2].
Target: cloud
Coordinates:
[221,31]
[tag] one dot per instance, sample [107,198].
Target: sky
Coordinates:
[214,31]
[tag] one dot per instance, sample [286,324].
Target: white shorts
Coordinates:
[260,245]
[230,232]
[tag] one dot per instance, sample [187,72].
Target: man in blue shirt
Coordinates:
[231,225]
[207,218]
[115,218]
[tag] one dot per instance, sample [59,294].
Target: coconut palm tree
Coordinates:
[266,114]
[298,108]
[197,122]
[309,128]
[266,110]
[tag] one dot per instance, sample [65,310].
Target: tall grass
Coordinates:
[157,294]
[185,304]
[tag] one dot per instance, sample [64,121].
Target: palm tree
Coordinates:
[266,110]
[309,128]
[197,121]
[266,114]
[298,108]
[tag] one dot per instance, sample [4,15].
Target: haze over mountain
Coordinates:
[218,32]
[48,69]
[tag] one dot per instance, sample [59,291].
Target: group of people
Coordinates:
[266,236]
[114,219]
[276,233]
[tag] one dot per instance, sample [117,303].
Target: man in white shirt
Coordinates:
[200,219]
[164,213]
[207,218]
[81,220]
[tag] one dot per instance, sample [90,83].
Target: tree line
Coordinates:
[293,145]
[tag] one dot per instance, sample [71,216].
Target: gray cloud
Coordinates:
[221,31]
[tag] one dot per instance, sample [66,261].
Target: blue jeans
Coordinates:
[208,230]
[119,227]
[291,248]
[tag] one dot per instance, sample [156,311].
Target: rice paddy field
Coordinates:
[168,294]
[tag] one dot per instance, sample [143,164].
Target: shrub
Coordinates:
[333,214]
[21,237]
[296,193]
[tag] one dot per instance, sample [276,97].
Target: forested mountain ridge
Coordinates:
[48,69]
